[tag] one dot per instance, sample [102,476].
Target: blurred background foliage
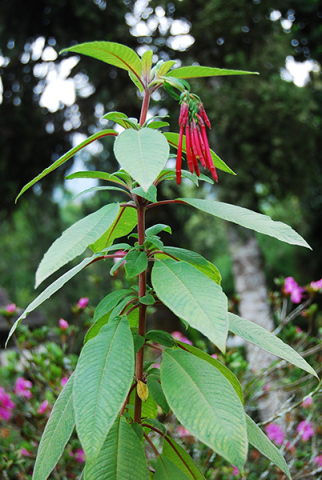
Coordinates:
[265,127]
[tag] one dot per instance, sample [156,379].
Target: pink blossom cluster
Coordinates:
[79,455]
[6,405]
[181,338]
[43,407]
[11,308]
[305,430]
[316,286]
[22,387]
[275,433]
[291,286]
[83,302]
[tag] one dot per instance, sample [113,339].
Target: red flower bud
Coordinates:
[188,147]
[179,157]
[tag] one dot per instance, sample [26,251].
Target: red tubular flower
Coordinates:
[188,147]
[179,157]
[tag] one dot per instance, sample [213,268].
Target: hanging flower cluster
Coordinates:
[192,122]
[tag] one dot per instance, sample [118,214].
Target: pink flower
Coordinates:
[80,455]
[214,356]
[22,386]
[82,302]
[305,429]
[290,286]
[43,407]
[180,337]
[63,324]
[267,387]
[6,404]
[318,460]
[155,365]
[307,403]
[298,330]
[11,308]
[316,286]
[119,254]
[183,432]
[235,471]
[25,453]
[63,381]
[275,433]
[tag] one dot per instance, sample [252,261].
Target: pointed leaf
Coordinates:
[159,227]
[99,189]
[138,342]
[75,240]
[167,470]
[120,119]
[161,337]
[121,457]
[199,71]
[111,53]
[147,300]
[124,223]
[93,174]
[156,391]
[170,174]
[136,263]
[259,440]
[174,452]
[267,341]
[110,301]
[249,219]
[57,433]
[159,124]
[165,67]
[147,64]
[194,297]
[137,82]
[66,157]
[222,368]
[102,381]
[150,195]
[142,154]
[218,419]
[173,139]
[51,290]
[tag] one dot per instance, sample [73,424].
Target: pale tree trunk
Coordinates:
[250,285]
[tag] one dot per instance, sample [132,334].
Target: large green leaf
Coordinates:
[75,240]
[156,391]
[218,417]
[94,174]
[259,440]
[111,53]
[124,223]
[181,458]
[56,285]
[143,154]
[248,219]
[167,470]
[103,377]
[191,295]
[173,139]
[121,457]
[57,433]
[222,368]
[199,71]
[66,157]
[136,263]
[267,341]
[109,302]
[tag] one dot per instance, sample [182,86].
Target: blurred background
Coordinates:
[267,128]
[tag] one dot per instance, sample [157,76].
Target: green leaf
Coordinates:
[218,417]
[173,139]
[174,452]
[111,53]
[161,337]
[133,318]
[124,223]
[93,174]
[75,240]
[136,263]
[156,424]
[215,363]
[165,67]
[170,174]
[103,377]
[121,457]
[98,189]
[198,71]
[121,119]
[136,81]
[159,124]
[149,407]
[155,229]
[138,341]
[142,154]
[211,271]
[267,341]
[248,219]
[51,289]
[194,297]
[180,84]
[147,64]
[57,433]
[110,301]
[166,470]
[66,157]
[259,440]
[150,195]
[155,241]
[156,391]
[138,429]
[147,300]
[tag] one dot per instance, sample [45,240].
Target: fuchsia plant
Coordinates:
[112,396]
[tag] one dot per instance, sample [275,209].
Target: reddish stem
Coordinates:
[151,444]
[164,202]
[145,106]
